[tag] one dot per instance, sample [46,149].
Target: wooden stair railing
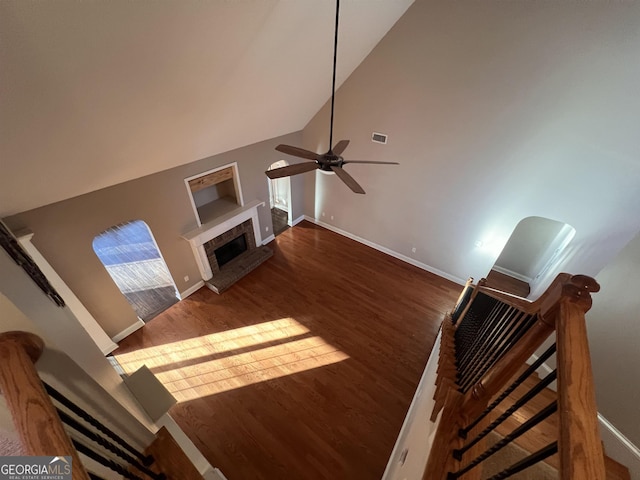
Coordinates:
[40,423]
[579,441]
[485,343]
[38,427]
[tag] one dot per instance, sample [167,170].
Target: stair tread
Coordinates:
[616,470]
[546,431]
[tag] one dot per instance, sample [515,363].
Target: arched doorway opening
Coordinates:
[530,255]
[132,258]
[280,200]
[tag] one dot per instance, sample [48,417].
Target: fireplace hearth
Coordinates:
[227,248]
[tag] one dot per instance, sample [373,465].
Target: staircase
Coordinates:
[50,424]
[537,437]
[493,416]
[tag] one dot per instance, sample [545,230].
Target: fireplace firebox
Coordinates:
[230,250]
[228,247]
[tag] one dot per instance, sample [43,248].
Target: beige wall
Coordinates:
[12,319]
[95,385]
[614,335]
[496,111]
[528,246]
[64,231]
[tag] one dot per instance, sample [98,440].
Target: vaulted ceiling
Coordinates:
[96,93]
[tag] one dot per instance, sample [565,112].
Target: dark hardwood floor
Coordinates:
[306,367]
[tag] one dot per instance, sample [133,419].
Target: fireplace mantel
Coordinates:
[199,236]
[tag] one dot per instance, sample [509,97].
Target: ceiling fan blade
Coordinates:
[298,152]
[371,162]
[340,147]
[348,179]
[289,170]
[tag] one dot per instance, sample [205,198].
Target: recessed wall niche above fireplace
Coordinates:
[214,192]
[227,243]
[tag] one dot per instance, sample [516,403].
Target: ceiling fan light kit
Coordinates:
[332,161]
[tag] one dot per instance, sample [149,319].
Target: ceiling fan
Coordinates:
[332,161]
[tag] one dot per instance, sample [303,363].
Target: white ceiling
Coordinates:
[97,93]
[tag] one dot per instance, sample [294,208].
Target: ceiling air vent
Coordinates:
[378,137]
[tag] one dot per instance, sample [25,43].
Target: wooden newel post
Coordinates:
[34,416]
[580,448]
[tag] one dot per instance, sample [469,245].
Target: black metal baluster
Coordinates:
[527,462]
[526,374]
[145,459]
[489,324]
[465,296]
[486,324]
[532,392]
[467,330]
[532,422]
[499,324]
[115,466]
[73,423]
[523,323]
[505,323]
[509,339]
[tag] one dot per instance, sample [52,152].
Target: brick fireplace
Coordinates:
[228,247]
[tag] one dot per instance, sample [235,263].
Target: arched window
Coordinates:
[131,256]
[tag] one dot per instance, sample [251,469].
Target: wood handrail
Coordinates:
[562,309]
[477,398]
[474,294]
[520,303]
[574,288]
[563,285]
[468,284]
[34,416]
[580,448]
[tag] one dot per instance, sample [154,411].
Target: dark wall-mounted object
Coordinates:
[22,258]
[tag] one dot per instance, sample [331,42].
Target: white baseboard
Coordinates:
[617,446]
[388,251]
[297,220]
[213,474]
[511,273]
[128,331]
[191,289]
[139,324]
[107,349]
[196,457]
[631,449]
[270,238]
[409,456]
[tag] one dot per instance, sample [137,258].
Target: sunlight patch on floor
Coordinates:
[223,361]
[192,348]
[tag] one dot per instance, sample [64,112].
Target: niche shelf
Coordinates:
[215,192]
